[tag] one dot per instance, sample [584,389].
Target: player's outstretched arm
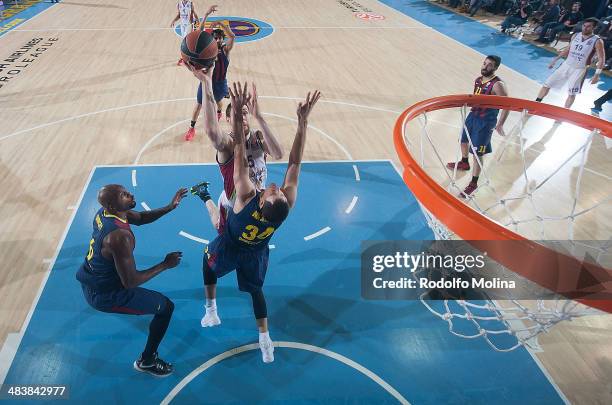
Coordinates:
[222,142]
[121,245]
[601,59]
[290,184]
[175,20]
[231,37]
[146,217]
[245,190]
[271,145]
[210,10]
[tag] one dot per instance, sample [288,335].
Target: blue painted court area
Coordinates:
[314,297]
[20,13]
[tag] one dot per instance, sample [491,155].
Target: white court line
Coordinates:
[194,238]
[85,115]
[261,28]
[338,144]
[134,184]
[126,29]
[76,117]
[318,233]
[277,162]
[351,205]
[11,345]
[145,206]
[150,141]
[357,177]
[290,345]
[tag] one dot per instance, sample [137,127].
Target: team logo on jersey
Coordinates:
[245,29]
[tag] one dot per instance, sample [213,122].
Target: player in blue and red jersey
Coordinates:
[220,90]
[480,123]
[109,278]
[255,216]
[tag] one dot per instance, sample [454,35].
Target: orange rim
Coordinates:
[464,221]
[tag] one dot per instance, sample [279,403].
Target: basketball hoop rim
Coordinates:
[460,218]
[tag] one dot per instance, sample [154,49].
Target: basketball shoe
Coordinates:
[190,134]
[267,347]
[156,366]
[460,165]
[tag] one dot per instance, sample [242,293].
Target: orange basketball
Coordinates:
[199,49]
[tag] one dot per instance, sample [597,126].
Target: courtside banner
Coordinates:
[485,270]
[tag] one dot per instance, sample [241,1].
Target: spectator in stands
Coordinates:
[548,12]
[518,18]
[565,24]
[475,5]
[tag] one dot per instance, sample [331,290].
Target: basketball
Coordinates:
[199,49]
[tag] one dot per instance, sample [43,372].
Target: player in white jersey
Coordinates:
[578,54]
[259,145]
[188,19]
[186,16]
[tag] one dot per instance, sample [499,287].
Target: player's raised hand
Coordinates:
[172,259]
[203,75]
[212,9]
[178,196]
[239,97]
[253,104]
[304,108]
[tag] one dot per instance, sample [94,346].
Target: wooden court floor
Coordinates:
[106,91]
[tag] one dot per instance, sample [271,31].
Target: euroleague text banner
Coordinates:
[484,270]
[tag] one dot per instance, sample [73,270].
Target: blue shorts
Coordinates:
[223,256]
[480,131]
[220,90]
[131,301]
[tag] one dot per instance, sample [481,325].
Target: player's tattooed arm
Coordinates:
[563,54]
[146,217]
[120,243]
[290,184]
[245,190]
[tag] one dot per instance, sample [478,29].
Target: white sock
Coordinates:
[264,336]
[211,304]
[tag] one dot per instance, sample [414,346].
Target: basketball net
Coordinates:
[507,181]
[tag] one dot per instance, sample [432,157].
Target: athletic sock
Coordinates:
[475,179]
[464,160]
[264,336]
[211,304]
[193,124]
[539,99]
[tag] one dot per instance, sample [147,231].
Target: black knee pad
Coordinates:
[209,277]
[259,304]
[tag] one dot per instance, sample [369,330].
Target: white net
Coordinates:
[545,180]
